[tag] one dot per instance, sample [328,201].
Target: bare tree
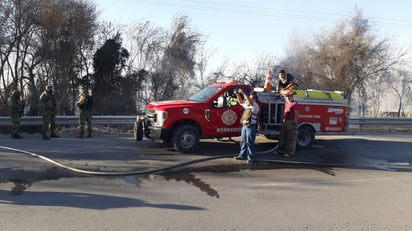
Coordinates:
[400,82]
[219,72]
[299,62]
[203,57]
[16,32]
[146,45]
[372,102]
[18,40]
[167,58]
[254,71]
[40,44]
[69,26]
[350,55]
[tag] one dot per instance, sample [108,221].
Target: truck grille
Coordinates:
[151,116]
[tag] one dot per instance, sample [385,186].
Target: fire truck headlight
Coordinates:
[161,116]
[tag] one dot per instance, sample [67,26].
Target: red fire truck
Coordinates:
[214,112]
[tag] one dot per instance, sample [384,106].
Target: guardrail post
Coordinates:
[360,126]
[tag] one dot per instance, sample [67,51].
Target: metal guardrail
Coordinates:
[72,120]
[381,121]
[380,124]
[129,120]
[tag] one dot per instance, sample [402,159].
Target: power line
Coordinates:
[249,10]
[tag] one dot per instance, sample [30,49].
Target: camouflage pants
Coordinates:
[49,123]
[288,137]
[15,123]
[85,117]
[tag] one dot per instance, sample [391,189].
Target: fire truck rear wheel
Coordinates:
[186,139]
[306,135]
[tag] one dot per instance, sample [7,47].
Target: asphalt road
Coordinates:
[350,182]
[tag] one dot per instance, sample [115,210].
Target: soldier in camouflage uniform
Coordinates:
[85,105]
[47,108]
[16,110]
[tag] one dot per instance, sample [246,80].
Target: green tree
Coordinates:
[108,83]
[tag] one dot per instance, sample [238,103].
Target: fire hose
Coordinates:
[164,169]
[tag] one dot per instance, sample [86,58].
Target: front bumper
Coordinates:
[157,133]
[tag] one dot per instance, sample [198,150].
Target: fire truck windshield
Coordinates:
[205,94]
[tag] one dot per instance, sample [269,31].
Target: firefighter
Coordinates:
[249,121]
[16,110]
[48,109]
[289,130]
[285,83]
[85,105]
[231,98]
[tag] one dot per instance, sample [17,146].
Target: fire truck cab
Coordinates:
[214,112]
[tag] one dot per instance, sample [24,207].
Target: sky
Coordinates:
[239,30]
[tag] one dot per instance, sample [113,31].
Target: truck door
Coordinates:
[224,115]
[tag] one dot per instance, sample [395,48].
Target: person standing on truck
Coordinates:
[289,130]
[285,82]
[249,121]
[85,105]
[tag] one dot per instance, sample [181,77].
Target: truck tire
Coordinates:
[186,139]
[138,130]
[306,135]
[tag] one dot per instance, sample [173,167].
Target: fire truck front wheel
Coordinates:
[306,135]
[186,139]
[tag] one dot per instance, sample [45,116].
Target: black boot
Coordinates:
[89,134]
[45,137]
[53,135]
[80,135]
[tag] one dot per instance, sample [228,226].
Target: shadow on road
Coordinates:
[83,200]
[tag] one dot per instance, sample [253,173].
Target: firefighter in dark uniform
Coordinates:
[289,132]
[16,110]
[85,105]
[47,108]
